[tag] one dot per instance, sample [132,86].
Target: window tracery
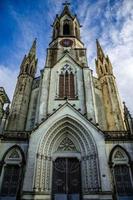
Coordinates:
[67,83]
[67,145]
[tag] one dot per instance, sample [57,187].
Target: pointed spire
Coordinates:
[100,53]
[126,111]
[33,48]
[23,61]
[128,119]
[66,10]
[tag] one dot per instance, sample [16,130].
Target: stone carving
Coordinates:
[66,145]
[14,154]
[118,155]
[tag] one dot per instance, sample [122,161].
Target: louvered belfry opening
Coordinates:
[11,180]
[66,179]
[66,29]
[66,86]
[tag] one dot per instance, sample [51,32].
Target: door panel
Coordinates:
[66,179]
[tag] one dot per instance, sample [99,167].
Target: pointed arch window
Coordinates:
[11,173]
[123,180]
[10,180]
[66,28]
[61,85]
[122,174]
[66,85]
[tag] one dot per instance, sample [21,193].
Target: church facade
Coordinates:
[67,135]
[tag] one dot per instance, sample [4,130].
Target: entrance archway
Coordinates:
[69,137]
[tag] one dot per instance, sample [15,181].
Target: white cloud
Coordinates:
[115,33]
[121,49]
[8,78]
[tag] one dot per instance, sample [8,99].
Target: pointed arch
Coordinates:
[61,85]
[121,171]
[66,27]
[85,146]
[114,150]
[18,148]
[11,176]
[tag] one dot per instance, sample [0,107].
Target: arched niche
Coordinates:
[11,172]
[121,172]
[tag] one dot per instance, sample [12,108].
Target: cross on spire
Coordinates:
[66,3]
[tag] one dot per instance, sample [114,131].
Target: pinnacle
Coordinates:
[100,52]
[33,47]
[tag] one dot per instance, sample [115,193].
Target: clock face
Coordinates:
[66,42]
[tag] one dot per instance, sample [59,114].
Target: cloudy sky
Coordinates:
[109,21]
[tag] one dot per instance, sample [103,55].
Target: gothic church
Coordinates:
[67,135]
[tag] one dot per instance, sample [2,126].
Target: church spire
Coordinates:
[29,62]
[112,104]
[33,48]
[128,119]
[100,53]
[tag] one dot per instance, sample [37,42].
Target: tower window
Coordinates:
[66,29]
[66,85]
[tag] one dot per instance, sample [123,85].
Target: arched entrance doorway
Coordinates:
[67,139]
[66,181]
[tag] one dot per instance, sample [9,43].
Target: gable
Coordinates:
[68,111]
[67,59]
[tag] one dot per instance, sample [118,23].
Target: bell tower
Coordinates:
[111,100]
[66,38]
[66,24]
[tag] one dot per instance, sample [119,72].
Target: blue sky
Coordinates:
[110,21]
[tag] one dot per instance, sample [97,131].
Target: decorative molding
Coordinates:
[67,135]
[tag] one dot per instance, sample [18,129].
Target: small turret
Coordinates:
[3,99]
[19,107]
[104,66]
[111,100]
[128,119]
